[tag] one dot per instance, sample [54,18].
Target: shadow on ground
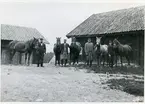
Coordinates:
[129,86]
[115,70]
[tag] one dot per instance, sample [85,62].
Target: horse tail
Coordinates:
[11,44]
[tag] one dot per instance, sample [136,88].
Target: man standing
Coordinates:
[89,47]
[40,52]
[64,52]
[110,53]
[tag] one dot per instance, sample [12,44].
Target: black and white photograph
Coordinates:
[72,51]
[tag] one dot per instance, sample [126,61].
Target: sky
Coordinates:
[54,19]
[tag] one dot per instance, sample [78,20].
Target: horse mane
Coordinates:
[30,42]
[116,41]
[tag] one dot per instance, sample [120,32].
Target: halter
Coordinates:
[116,41]
[98,43]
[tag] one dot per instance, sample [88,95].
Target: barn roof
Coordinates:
[124,20]
[10,32]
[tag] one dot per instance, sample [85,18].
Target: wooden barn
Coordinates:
[127,25]
[9,33]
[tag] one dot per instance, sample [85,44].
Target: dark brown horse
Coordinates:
[57,51]
[22,47]
[122,50]
[75,49]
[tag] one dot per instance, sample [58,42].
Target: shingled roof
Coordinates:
[10,32]
[124,20]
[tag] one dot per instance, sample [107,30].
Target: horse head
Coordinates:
[98,40]
[115,43]
[34,43]
[58,40]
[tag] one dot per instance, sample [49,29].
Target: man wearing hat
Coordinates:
[89,47]
[40,52]
[64,52]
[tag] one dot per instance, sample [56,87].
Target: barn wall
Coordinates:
[4,52]
[4,56]
[134,39]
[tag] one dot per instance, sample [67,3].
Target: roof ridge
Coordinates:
[18,26]
[137,7]
[12,32]
[128,19]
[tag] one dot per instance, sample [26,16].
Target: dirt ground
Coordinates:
[60,84]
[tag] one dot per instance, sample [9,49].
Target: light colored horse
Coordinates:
[101,51]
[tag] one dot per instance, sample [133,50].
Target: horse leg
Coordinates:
[55,60]
[112,59]
[65,62]
[98,60]
[127,57]
[77,60]
[70,58]
[59,59]
[116,60]
[108,60]
[121,60]
[103,60]
[12,55]
[74,59]
[62,62]
[25,58]
[29,58]
[73,62]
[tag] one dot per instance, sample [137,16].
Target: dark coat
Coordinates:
[41,48]
[62,47]
[110,50]
[57,49]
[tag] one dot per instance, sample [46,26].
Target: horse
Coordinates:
[57,51]
[122,50]
[22,47]
[75,49]
[101,51]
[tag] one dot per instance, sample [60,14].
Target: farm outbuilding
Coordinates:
[10,33]
[127,25]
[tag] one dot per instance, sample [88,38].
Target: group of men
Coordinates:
[89,49]
[61,52]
